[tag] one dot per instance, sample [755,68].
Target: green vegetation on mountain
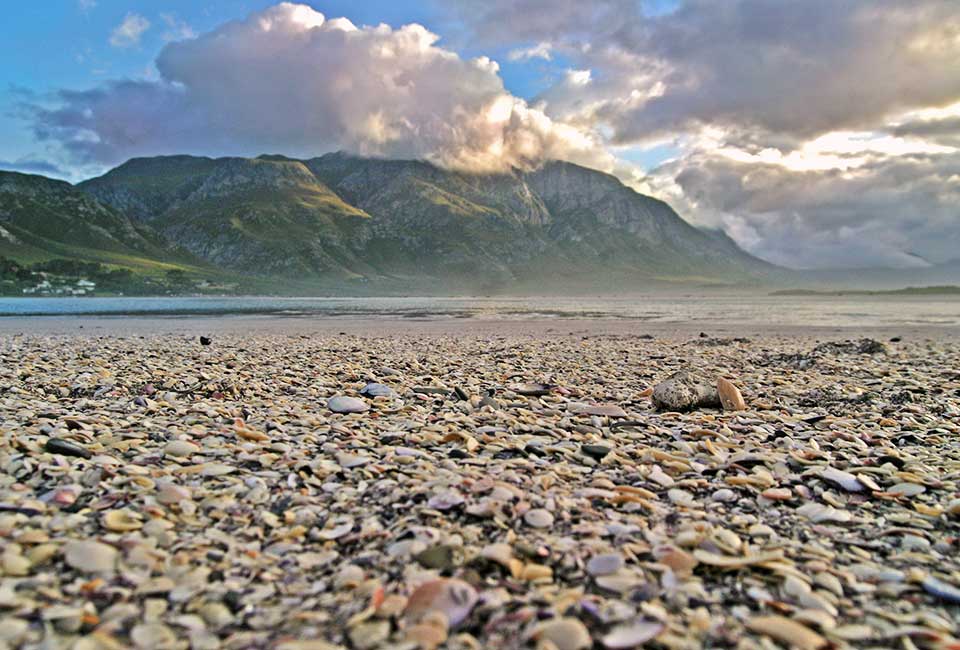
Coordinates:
[341,223]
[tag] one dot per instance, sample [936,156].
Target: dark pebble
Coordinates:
[205,340]
[462,394]
[66,448]
[595,451]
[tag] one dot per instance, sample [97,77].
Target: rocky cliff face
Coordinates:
[350,217]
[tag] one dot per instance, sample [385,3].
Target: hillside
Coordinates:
[42,219]
[393,223]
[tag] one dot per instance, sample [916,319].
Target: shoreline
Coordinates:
[392,326]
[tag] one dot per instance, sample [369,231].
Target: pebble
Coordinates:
[564,634]
[605,564]
[685,391]
[374,389]
[343,404]
[90,556]
[538,518]
[66,448]
[180,448]
[595,451]
[463,520]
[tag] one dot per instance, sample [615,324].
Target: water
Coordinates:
[837,311]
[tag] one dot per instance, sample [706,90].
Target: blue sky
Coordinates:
[66,44]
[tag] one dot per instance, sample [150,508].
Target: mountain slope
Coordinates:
[41,219]
[340,217]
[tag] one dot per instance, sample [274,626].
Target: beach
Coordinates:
[308,484]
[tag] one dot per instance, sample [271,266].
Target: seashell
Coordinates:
[632,635]
[730,396]
[451,597]
[786,631]
[121,521]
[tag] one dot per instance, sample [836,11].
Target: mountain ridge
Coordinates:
[340,218]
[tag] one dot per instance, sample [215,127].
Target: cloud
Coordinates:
[878,213]
[177,30]
[815,132]
[289,80]
[33,166]
[128,32]
[86,5]
[539,51]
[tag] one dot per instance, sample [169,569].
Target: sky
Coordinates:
[816,133]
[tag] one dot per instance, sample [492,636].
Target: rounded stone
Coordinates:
[344,404]
[90,556]
[538,518]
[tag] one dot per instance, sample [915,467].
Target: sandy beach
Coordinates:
[307,484]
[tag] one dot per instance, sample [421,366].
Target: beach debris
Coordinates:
[730,397]
[230,507]
[685,391]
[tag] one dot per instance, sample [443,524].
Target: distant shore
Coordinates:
[942,290]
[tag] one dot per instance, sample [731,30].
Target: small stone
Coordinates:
[602,410]
[685,391]
[205,340]
[369,635]
[374,389]
[90,556]
[66,448]
[442,557]
[531,390]
[564,633]
[180,448]
[907,489]
[538,518]
[595,451]
[941,589]
[606,564]
[343,404]
[170,493]
[724,495]
[153,636]
[844,480]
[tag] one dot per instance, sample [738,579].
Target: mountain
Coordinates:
[42,218]
[394,223]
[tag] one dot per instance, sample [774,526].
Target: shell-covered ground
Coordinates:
[501,492]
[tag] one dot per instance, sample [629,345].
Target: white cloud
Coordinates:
[815,132]
[288,80]
[86,5]
[128,32]
[541,50]
[579,77]
[177,30]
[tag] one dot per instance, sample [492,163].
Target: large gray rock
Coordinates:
[685,391]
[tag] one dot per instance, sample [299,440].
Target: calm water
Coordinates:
[757,309]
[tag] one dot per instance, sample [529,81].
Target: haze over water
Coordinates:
[835,311]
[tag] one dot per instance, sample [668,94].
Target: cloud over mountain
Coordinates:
[815,132]
[290,80]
